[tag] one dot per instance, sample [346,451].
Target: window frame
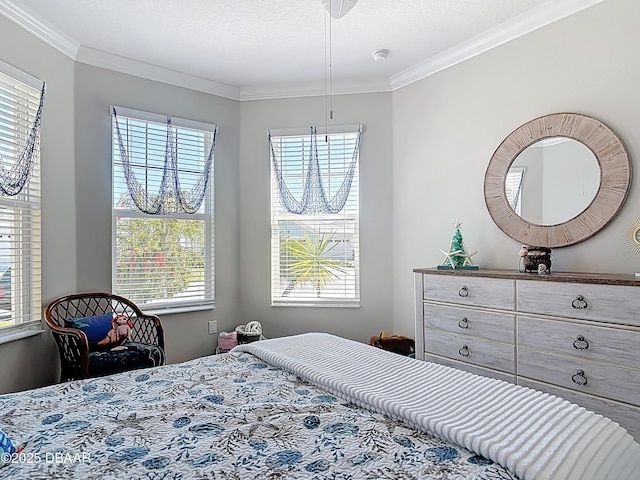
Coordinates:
[158,306]
[277,218]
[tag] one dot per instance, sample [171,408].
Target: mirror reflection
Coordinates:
[552,181]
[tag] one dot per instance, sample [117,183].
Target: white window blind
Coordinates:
[163,262]
[20,260]
[315,257]
[513,188]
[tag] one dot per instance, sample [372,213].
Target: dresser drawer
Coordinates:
[610,381]
[626,415]
[606,303]
[499,327]
[469,349]
[611,345]
[467,367]
[540,330]
[468,290]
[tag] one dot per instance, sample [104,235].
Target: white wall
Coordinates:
[376,286]
[447,126]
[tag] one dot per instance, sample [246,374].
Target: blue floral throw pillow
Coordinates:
[95,328]
[7,447]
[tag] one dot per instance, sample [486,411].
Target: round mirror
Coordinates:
[586,181]
[552,181]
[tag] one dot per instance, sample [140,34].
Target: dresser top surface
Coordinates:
[567,277]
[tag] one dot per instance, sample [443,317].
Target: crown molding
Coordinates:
[312,90]
[531,20]
[521,25]
[33,24]
[128,66]
[57,39]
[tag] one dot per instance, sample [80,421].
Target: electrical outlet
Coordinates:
[213,327]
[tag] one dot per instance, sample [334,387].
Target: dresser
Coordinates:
[574,335]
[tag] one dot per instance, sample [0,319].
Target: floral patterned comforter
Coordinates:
[228,416]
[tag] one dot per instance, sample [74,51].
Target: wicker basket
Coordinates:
[251,332]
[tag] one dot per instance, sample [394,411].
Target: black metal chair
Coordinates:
[143,347]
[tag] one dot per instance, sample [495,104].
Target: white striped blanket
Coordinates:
[534,435]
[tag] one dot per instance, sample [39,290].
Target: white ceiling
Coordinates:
[246,49]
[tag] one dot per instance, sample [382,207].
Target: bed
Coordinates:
[311,406]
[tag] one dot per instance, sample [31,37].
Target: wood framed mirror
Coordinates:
[605,192]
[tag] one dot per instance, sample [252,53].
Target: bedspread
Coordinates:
[535,435]
[231,416]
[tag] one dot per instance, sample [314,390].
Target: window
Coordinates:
[20,295]
[513,188]
[162,261]
[315,252]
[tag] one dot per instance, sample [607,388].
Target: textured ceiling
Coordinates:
[259,45]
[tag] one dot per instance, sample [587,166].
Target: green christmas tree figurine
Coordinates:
[457,256]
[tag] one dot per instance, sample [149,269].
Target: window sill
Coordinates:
[169,311]
[18,334]
[310,304]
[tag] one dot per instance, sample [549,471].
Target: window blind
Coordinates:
[162,261]
[315,257]
[20,237]
[513,188]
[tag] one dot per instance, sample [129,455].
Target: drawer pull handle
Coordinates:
[579,303]
[464,351]
[578,378]
[464,323]
[580,343]
[463,292]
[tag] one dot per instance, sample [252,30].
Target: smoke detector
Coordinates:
[380,55]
